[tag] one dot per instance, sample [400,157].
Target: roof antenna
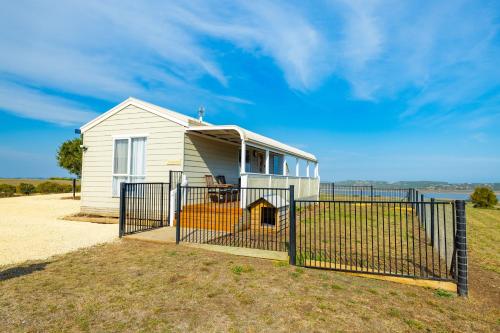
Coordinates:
[201,113]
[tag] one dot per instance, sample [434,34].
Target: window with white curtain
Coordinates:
[129,162]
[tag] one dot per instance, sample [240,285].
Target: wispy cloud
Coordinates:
[480,137]
[234,99]
[32,103]
[157,50]
[429,53]
[423,53]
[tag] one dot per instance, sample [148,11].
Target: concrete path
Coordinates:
[30,228]
[166,235]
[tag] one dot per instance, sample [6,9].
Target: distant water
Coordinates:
[450,195]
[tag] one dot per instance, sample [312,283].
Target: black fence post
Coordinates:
[432,222]
[292,247]
[417,204]
[161,205]
[74,188]
[178,214]
[333,191]
[371,192]
[122,210]
[168,196]
[461,248]
[423,211]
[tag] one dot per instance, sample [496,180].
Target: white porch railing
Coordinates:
[305,187]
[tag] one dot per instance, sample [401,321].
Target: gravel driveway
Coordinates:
[30,228]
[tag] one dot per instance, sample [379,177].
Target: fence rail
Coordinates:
[331,191]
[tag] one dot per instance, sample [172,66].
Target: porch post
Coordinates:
[267,161]
[307,169]
[284,165]
[243,156]
[316,170]
[296,167]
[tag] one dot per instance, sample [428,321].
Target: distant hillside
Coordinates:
[422,185]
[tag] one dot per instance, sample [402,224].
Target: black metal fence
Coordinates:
[233,216]
[331,191]
[409,239]
[146,206]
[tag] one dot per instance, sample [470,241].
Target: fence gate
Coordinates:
[146,206]
[416,239]
[234,216]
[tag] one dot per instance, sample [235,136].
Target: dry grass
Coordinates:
[17,181]
[134,286]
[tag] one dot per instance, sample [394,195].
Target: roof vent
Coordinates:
[201,113]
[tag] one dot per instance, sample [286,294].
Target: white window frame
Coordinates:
[129,159]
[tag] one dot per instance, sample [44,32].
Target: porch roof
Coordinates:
[235,134]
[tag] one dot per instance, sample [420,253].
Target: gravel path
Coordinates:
[30,228]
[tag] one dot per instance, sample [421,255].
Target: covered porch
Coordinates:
[255,161]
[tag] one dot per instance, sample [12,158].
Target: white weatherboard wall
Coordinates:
[204,156]
[164,143]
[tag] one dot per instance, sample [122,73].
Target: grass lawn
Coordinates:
[134,286]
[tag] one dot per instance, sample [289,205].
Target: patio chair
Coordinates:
[215,191]
[221,180]
[232,192]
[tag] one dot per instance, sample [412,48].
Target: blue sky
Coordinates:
[385,90]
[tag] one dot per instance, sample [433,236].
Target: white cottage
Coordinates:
[140,142]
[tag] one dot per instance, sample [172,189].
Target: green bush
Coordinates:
[51,187]
[483,197]
[25,188]
[7,190]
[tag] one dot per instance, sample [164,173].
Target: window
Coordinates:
[268,216]
[276,164]
[129,162]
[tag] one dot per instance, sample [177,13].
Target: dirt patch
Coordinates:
[80,217]
[71,198]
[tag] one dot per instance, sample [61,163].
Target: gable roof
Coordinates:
[194,125]
[176,117]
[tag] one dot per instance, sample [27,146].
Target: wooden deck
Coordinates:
[213,216]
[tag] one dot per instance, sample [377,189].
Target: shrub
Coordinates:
[25,188]
[51,187]
[7,190]
[483,197]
